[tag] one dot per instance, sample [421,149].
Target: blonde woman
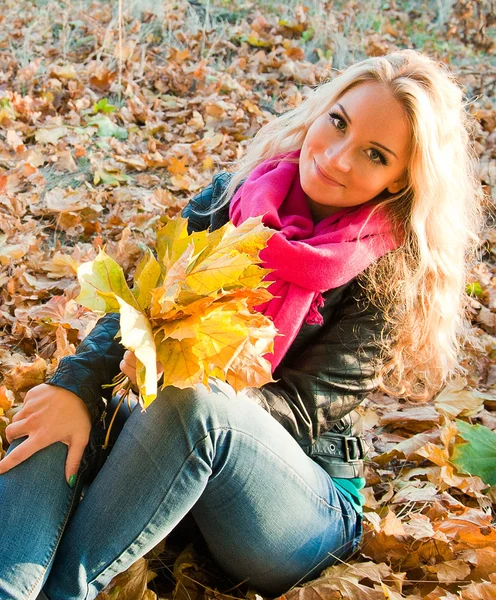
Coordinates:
[369,185]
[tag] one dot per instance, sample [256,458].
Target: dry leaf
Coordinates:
[27,375]
[131,584]
[456,400]
[451,571]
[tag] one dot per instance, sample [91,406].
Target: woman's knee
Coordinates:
[193,411]
[48,459]
[212,405]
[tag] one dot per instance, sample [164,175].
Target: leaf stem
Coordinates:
[125,388]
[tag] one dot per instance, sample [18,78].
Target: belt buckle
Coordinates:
[358,447]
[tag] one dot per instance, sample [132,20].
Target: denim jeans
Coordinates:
[269,514]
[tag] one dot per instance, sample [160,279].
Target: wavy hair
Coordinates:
[421,286]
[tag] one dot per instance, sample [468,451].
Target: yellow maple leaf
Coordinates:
[163,302]
[137,335]
[180,329]
[146,278]
[102,281]
[218,272]
[6,398]
[248,369]
[220,337]
[172,240]
[182,367]
[177,166]
[249,237]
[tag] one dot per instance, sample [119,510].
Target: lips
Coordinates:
[328,179]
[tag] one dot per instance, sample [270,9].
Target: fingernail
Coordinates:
[72,481]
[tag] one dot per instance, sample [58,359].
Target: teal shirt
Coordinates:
[350,488]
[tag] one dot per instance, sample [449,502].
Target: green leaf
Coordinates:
[102,281]
[104,106]
[107,128]
[478,455]
[308,34]
[110,178]
[475,289]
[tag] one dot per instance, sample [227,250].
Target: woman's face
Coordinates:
[356,151]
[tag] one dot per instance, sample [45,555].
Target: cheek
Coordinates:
[305,159]
[374,180]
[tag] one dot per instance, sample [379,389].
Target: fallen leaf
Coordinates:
[451,571]
[478,455]
[485,590]
[6,398]
[50,136]
[413,419]
[345,580]
[132,583]
[457,400]
[26,375]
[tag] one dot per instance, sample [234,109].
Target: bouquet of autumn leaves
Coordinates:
[191,306]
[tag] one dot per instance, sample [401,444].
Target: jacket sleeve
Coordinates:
[328,370]
[95,364]
[195,210]
[199,209]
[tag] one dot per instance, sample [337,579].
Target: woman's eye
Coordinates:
[338,122]
[377,157]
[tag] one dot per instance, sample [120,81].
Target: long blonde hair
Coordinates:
[421,286]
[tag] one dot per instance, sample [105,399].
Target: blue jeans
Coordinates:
[267,512]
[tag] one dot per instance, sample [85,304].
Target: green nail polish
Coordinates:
[72,481]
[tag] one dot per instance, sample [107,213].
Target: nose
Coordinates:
[339,157]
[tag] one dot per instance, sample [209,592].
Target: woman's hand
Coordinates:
[128,366]
[50,414]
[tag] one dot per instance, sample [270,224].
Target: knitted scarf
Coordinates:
[307,258]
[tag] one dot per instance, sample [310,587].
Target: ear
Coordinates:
[399,184]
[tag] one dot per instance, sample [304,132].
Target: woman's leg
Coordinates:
[36,503]
[268,513]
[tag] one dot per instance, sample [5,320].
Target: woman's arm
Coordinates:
[95,364]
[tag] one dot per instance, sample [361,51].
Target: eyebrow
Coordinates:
[384,148]
[345,113]
[375,143]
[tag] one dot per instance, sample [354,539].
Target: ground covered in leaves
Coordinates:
[110,120]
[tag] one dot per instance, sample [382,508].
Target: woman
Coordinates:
[370,186]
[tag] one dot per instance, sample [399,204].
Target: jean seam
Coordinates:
[60,534]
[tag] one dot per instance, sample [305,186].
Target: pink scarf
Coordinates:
[308,259]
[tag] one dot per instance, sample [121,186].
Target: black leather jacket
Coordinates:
[326,373]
